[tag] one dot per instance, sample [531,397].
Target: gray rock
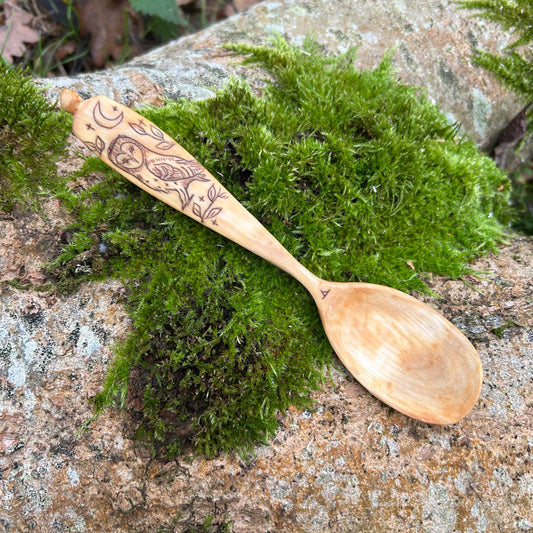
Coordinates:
[432,40]
[351,464]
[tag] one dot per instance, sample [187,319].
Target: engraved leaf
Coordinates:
[212,193]
[197,210]
[91,146]
[97,146]
[157,133]
[138,128]
[164,145]
[100,144]
[213,212]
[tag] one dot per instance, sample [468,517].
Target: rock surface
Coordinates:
[351,464]
[433,42]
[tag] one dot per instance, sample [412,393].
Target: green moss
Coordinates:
[32,138]
[500,331]
[359,176]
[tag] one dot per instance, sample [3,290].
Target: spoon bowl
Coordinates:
[400,349]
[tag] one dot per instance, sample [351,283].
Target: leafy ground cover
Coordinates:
[68,36]
[360,177]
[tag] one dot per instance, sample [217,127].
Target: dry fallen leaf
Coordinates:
[15,33]
[108,22]
[231,8]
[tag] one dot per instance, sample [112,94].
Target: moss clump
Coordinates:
[32,138]
[360,177]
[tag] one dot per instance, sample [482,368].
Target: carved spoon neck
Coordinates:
[314,285]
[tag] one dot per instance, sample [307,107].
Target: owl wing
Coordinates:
[173,168]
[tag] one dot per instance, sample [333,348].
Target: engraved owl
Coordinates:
[165,172]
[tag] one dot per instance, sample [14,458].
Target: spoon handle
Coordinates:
[153,161]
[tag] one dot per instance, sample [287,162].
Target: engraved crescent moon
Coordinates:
[104,121]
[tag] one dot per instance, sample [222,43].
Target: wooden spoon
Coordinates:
[401,350]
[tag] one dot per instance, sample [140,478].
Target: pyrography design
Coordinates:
[160,171]
[106,121]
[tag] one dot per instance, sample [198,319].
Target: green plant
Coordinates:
[165,20]
[522,198]
[513,67]
[45,52]
[32,138]
[164,17]
[359,176]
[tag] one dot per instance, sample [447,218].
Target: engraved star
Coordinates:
[201,198]
[115,108]
[214,221]
[89,126]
